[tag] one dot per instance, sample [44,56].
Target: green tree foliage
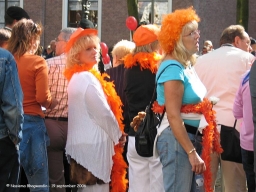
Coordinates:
[242,13]
[133,8]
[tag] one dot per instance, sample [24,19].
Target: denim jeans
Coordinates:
[177,170]
[197,142]
[248,163]
[33,152]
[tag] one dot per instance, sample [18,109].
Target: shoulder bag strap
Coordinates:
[235,123]
[154,93]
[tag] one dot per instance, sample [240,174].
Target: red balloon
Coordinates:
[131,23]
[104,49]
[106,59]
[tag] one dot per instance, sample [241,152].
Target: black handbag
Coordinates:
[145,136]
[230,142]
[147,130]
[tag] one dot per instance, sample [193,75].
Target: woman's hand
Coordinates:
[198,165]
[122,140]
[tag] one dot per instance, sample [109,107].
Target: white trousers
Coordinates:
[145,173]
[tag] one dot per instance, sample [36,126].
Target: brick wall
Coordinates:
[252,19]
[177,4]
[49,13]
[53,20]
[114,14]
[215,16]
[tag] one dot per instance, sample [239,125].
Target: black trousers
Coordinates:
[9,165]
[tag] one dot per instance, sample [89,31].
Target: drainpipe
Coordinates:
[5,5]
[152,11]
[43,21]
[99,18]
[169,6]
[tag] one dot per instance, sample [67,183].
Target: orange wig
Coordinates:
[172,25]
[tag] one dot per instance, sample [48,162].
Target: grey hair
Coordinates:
[67,32]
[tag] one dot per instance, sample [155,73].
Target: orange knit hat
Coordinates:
[77,34]
[172,25]
[145,34]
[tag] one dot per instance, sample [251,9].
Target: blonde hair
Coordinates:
[180,53]
[82,44]
[149,48]
[123,48]
[23,33]
[207,43]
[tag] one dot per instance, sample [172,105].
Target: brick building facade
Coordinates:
[215,16]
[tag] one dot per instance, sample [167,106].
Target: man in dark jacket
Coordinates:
[11,119]
[252,82]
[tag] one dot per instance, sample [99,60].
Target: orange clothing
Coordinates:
[33,73]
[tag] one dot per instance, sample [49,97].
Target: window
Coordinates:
[145,10]
[75,12]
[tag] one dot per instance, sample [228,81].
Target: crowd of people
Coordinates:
[67,125]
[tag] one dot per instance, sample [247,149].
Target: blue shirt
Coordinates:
[194,90]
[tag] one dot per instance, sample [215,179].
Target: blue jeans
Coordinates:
[248,163]
[177,173]
[33,152]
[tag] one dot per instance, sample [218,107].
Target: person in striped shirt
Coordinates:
[56,120]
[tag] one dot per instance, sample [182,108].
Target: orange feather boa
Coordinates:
[118,173]
[211,136]
[144,60]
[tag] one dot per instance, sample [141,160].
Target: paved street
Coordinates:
[218,183]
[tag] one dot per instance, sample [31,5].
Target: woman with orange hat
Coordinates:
[188,115]
[94,119]
[145,173]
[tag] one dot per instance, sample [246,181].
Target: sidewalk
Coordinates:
[218,183]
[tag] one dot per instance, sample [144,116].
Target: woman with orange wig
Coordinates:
[188,115]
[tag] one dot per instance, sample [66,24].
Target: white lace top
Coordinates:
[92,127]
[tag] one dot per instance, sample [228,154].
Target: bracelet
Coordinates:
[191,151]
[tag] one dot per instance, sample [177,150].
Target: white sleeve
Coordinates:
[100,112]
